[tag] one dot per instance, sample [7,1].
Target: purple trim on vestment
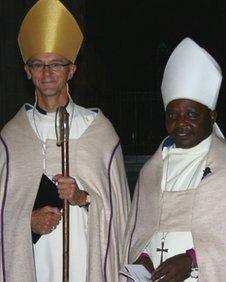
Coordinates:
[111,211]
[135,222]
[3,207]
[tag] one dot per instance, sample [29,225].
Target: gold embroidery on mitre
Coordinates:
[49,28]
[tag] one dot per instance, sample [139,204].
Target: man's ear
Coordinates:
[72,70]
[26,68]
[213,116]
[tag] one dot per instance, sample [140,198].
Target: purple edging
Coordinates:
[111,213]
[135,222]
[3,207]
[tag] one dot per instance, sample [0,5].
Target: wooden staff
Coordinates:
[62,132]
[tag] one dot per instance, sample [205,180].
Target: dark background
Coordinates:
[120,67]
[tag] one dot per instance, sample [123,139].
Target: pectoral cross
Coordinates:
[162,250]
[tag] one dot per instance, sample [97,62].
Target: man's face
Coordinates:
[188,122]
[49,81]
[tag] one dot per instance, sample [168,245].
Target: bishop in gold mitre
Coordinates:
[49,28]
[96,190]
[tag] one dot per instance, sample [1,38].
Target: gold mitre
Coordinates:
[49,28]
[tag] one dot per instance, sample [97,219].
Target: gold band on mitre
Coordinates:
[49,28]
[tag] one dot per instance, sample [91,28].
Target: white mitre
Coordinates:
[191,73]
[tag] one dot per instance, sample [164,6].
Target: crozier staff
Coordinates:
[97,191]
[62,134]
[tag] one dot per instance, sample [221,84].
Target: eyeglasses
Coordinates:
[53,66]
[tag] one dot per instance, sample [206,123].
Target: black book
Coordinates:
[47,196]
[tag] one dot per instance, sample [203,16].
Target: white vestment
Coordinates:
[96,161]
[48,249]
[182,170]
